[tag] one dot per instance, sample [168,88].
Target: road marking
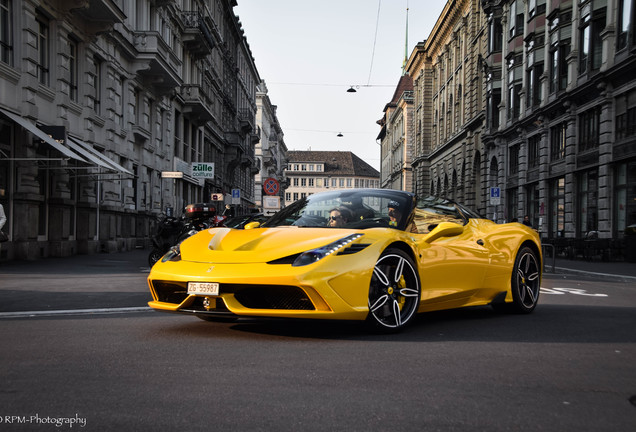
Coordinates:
[100,311]
[576,291]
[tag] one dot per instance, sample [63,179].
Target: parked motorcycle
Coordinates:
[172,231]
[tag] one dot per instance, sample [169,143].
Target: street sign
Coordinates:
[495,195]
[236,196]
[171,174]
[216,197]
[271,186]
[271,203]
[203,169]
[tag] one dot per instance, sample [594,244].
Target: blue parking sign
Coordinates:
[495,192]
[236,193]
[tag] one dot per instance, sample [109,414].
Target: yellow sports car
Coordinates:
[356,254]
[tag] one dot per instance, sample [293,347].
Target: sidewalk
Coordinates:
[132,261]
[621,271]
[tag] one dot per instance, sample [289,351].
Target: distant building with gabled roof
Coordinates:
[309,172]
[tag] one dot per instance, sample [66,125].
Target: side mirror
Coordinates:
[252,225]
[444,229]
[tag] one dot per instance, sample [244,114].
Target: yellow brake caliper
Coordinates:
[401,284]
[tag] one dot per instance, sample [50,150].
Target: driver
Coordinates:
[339,216]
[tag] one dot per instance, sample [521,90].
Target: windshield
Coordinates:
[350,208]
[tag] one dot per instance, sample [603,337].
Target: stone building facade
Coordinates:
[396,138]
[131,96]
[271,154]
[526,107]
[310,172]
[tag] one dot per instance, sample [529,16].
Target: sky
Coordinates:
[309,52]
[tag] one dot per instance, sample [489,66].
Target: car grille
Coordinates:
[250,296]
[270,296]
[170,292]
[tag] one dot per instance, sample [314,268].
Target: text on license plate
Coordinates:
[203,288]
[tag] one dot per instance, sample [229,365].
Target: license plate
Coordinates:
[203,288]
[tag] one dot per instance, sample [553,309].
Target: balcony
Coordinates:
[160,65]
[196,103]
[197,36]
[246,119]
[102,14]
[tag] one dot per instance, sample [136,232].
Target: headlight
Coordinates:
[317,254]
[174,254]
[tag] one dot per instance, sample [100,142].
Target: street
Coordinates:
[568,366]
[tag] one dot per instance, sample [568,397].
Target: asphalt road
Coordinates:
[570,366]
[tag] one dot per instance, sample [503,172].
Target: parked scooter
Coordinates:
[172,231]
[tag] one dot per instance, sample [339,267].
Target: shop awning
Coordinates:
[96,157]
[42,135]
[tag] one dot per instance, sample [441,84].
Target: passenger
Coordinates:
[395,215]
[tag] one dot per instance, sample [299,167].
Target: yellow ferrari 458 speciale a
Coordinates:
[357,254]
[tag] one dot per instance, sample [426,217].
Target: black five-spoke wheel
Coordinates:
[394,293]
[526,280]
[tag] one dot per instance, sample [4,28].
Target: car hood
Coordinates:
[225,245]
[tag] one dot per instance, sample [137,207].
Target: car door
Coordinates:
[452,260]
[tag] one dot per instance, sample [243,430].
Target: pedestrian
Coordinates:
[3,220]
[229,211]
[526,221]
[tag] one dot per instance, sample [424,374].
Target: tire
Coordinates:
[154,256]
[394,292]
[525,282]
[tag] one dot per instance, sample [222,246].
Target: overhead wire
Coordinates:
[375,39]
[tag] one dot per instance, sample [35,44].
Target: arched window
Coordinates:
[493,179]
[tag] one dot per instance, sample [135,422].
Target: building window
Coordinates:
[556,226]
[625,206]
[495,34]
[349,183]
[513,160]
[72,69]
[334,182]
[533,73]
[515,19]
[533,151]
[589,133]
[557,141]
[533,204]
[288,196]
[512,201]
[303,182]
[295,196]
[626,115]
[6,32]
[97,86]
[295,181]
[592,23]
[625,20]
[493,99]
[311,182]
[43,51]
[560,44]
[514,87]
[587,194]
